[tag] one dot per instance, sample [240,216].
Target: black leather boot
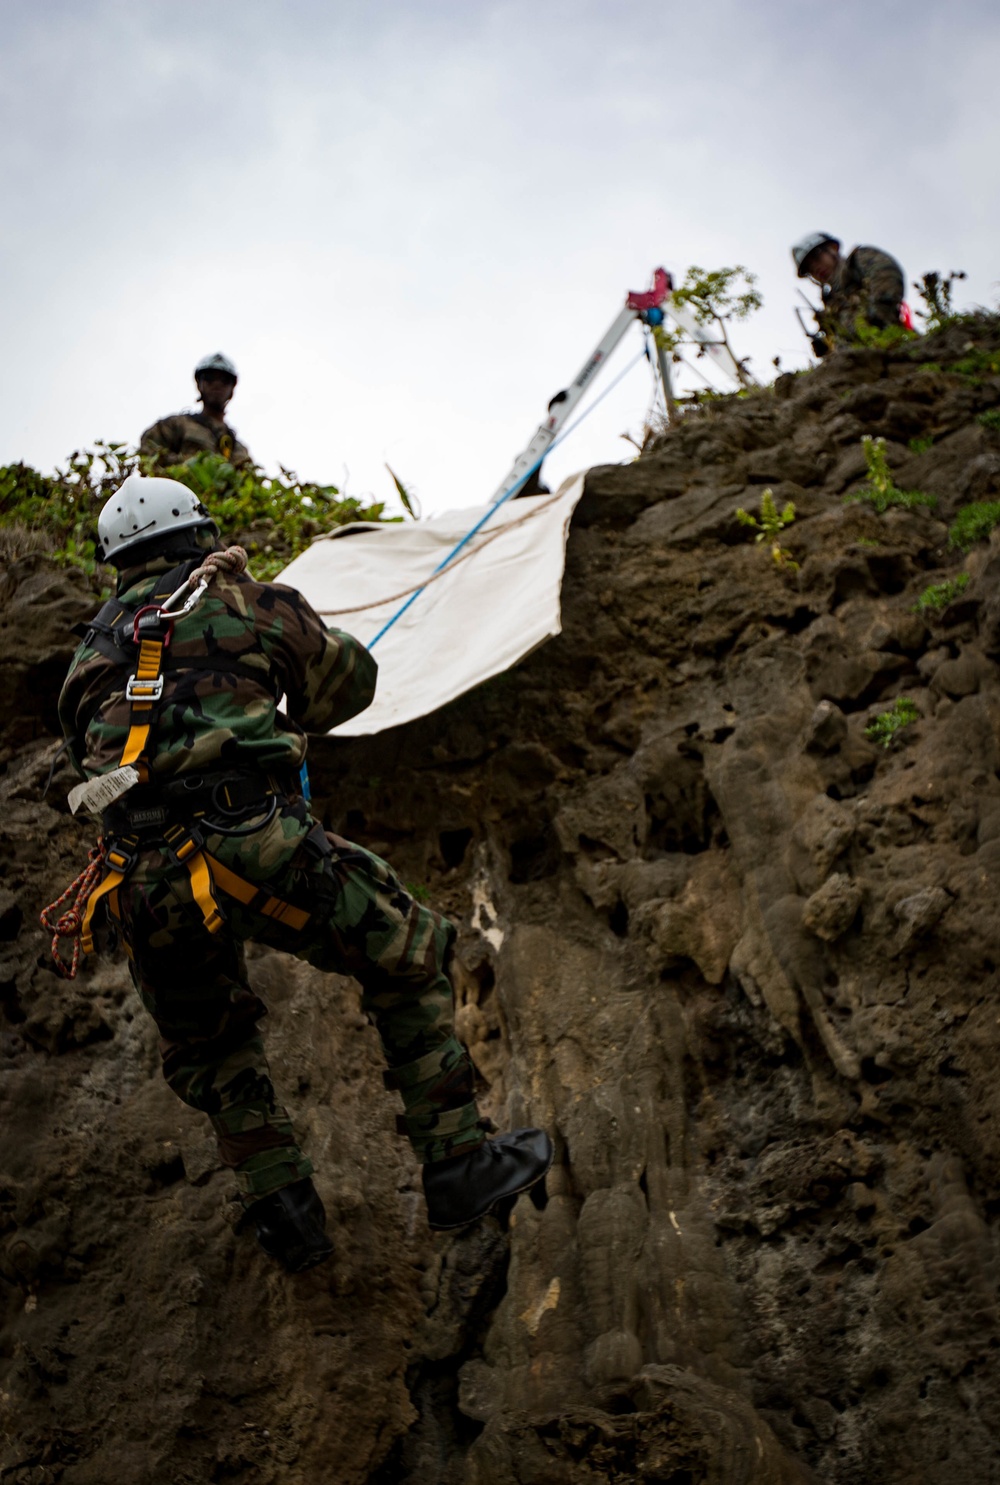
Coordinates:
[487,1179]
[291,1226]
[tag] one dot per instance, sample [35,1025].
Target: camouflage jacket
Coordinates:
[181,436]
[869,283]
[216,717]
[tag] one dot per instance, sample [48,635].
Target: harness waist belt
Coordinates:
[148,808]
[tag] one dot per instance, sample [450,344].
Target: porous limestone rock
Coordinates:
[742,963]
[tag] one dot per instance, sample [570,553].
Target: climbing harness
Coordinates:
[134,821]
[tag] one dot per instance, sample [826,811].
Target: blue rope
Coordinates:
[507,495]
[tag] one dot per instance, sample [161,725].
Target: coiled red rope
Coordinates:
[69,924]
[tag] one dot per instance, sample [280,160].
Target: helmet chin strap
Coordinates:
[182,544]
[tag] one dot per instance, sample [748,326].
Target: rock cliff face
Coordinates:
[741,961]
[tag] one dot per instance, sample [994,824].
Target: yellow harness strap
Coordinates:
[144,690]
[201,890]
[118,864]
[257,898]
[207,873]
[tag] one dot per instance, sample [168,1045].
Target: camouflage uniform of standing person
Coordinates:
[865,286]
[182,435]
[212,843]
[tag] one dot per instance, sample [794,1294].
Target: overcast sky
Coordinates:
[408,224]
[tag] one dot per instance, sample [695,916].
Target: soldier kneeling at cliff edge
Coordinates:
[866,284]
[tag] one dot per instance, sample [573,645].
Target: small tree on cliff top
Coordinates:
[716,297]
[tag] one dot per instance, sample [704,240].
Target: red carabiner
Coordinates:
[166,619]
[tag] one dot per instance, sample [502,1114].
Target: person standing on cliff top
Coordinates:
[182,435]
[867,284]
[172,716]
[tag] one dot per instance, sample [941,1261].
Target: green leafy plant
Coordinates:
[977,364]
[769,527]
[888,724]
[880,337]
[273,516]
[716,297]
[936,292]
[408,497]
[881,491]
[922,444]
[973,523]
[938,596]
[990,420]
[57,513]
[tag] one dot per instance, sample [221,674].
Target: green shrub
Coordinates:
[273,516]
[973,523]
[880,337]
[990,420]
[57,513]
[977,364]
[880,491]
[884,729]
[938,596]
[922,444]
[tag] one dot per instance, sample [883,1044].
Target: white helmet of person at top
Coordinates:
[813,240]
[143,509]
[216,362]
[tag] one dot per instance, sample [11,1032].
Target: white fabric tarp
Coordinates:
[495,603]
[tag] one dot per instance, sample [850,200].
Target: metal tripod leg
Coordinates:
[663,361]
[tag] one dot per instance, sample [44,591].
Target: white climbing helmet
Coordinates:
[216,362]
[809,244]
[144,508]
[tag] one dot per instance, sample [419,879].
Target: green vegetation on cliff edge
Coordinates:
[274,516]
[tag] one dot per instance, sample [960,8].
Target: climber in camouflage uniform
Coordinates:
[182,435]
[214,844]
[866,286]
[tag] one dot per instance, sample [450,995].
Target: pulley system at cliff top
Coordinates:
[408,591]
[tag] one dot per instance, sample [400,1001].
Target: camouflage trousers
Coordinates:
[361,922]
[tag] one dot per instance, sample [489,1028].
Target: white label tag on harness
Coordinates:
[96,794]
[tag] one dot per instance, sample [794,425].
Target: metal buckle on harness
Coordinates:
[182,842]
[136,690]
